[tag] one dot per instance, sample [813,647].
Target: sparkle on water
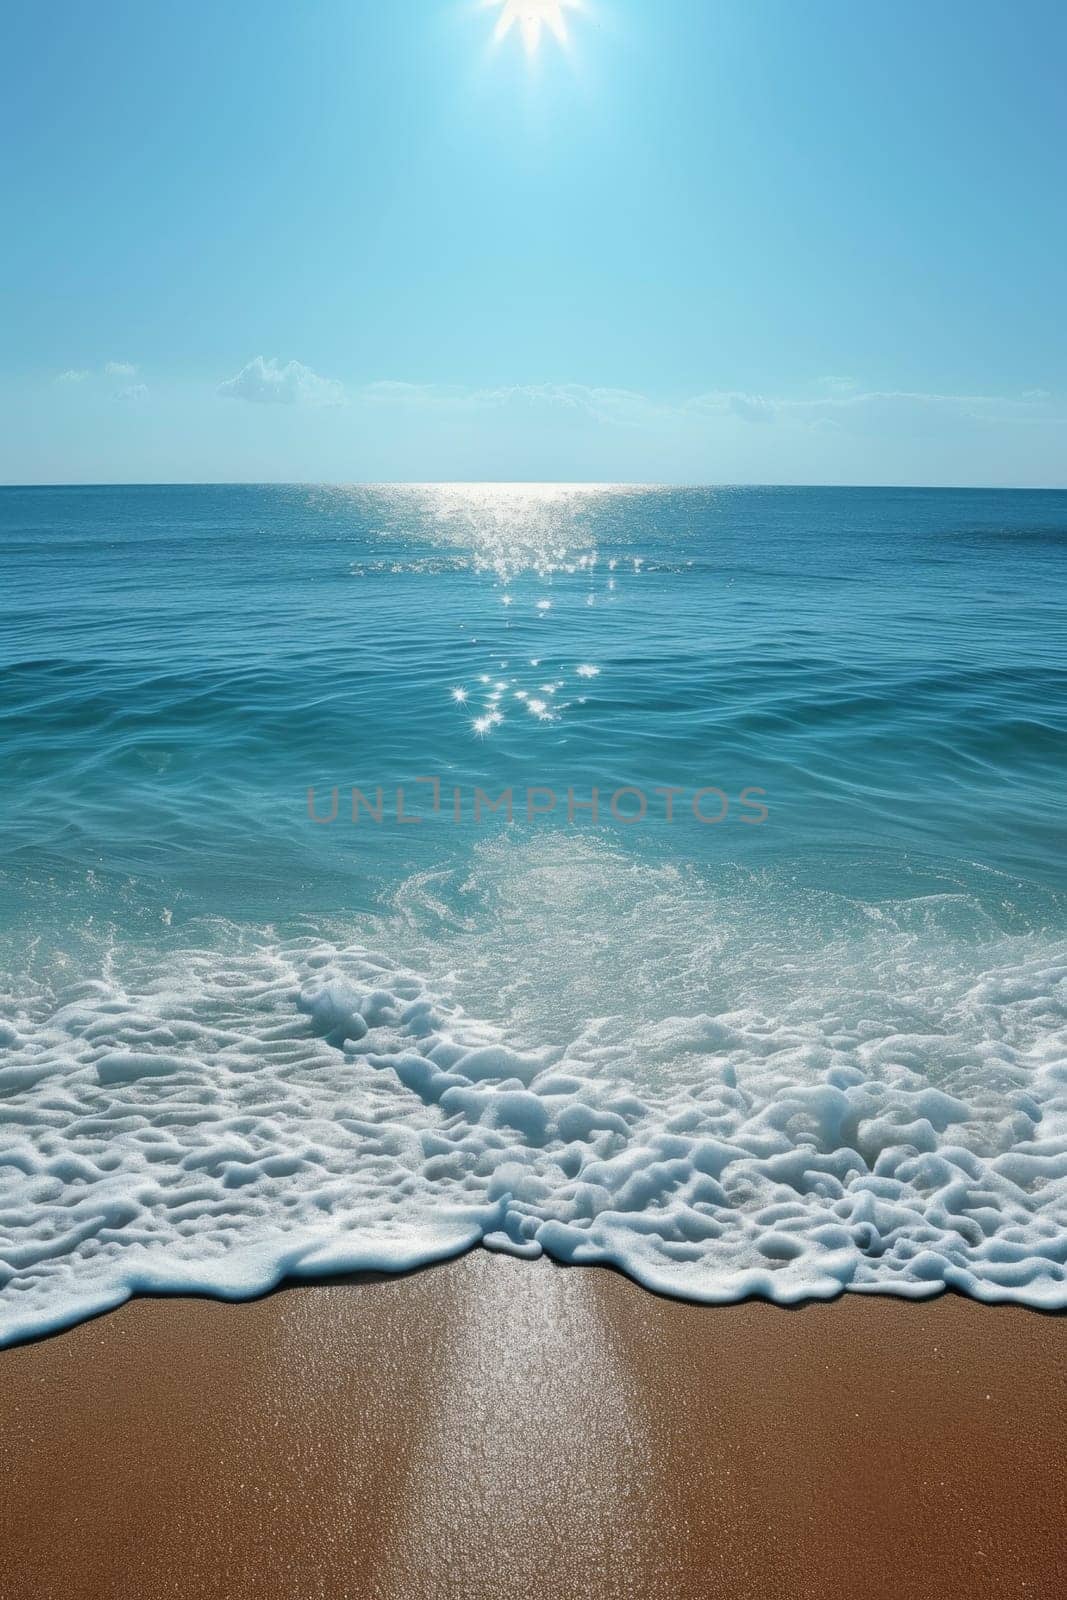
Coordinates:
[523,538]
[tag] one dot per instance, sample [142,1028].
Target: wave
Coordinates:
[204,1121]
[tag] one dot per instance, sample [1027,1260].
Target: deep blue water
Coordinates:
[181,664]
[882,670]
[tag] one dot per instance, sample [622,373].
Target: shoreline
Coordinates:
[488,1426]
[361,1276]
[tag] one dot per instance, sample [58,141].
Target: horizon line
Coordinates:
[526,483]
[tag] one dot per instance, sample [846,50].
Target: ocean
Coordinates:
[670,878]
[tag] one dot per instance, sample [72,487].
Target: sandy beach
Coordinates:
[493,1427]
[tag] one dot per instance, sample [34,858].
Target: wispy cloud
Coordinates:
[733,403]
[133,393]
[922,405]
[836,402]
[110,369]
[603,404]
[272,383]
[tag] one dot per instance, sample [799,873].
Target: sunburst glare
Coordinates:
[532,17]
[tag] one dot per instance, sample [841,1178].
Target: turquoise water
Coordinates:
[815,1044]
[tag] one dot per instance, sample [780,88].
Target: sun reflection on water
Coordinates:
[524,538]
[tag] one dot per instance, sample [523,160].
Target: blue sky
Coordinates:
[709,240]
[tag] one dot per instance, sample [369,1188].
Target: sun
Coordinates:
[532,16]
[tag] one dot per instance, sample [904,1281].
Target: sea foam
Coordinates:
[300,1109]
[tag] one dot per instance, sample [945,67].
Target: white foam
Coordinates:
[212,1122]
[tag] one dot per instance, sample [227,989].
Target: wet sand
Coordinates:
[495,1428]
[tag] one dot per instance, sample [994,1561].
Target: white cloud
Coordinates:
[271,383]
[731,402]
[620,406]
[134,392]
[110,369]
[822,434]
[856,406]
[624,407]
